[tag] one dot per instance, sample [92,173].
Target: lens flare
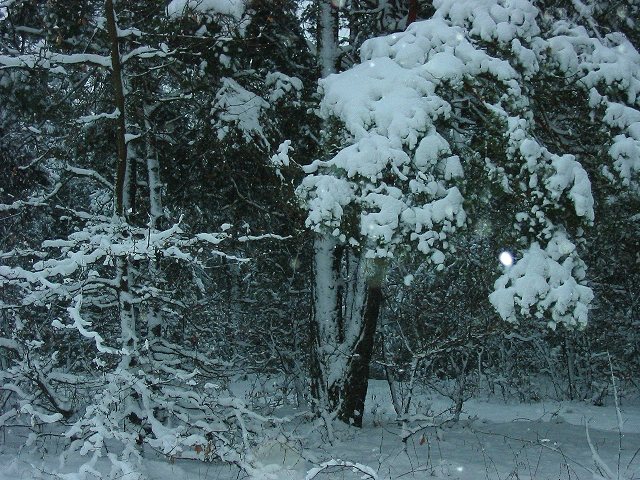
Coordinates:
[506,259]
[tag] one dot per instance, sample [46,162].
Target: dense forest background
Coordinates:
[308,195]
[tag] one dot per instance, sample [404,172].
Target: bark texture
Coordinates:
[356,382]
[122,200]
[347,301]
[119,101]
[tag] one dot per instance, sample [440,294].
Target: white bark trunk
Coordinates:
[155,321]
[326,303]
[122,201]
[153,173]
[128,337]
[326,319]
[328,51]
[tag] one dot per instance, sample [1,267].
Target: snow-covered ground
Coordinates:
[493,440]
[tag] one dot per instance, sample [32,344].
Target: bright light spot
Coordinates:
[459,37]
[372,64]
[460,469]
[506,259]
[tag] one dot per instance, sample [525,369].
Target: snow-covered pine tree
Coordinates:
[107,281]
[613,278]
[489,86]
[371,18]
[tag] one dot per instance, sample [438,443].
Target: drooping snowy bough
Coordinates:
[543,108]
[95,342]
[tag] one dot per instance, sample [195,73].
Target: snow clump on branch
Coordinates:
[468,85]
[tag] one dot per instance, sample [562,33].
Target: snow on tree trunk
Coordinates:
[122,200]
[327,307]
[326,312]
[154,315]
[362,204]
[347,297]
[465,89]
[346,306]
[153,173]
[328,30]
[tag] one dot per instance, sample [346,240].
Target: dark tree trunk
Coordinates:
[413,12]
[121,199]
[119,100]
[354,391]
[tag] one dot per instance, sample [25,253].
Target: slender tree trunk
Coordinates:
[156,211]
[328,38]
[326,307]
[119,100]
[326,312]
[130,184]
[122,201]
[155,323]
[357,376]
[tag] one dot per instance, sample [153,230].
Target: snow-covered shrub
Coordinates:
[147,389]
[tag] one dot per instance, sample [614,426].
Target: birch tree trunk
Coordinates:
[327,312]
[328,38]
[155,323]
[326,254]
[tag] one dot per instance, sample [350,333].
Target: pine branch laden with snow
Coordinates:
[544,284]
[165,397]
[232,8]
[464,86]
[373,194]
[239,107]
[238,110]
[125,366]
